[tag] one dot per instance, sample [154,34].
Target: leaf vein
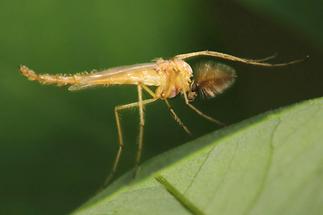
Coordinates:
[199,169]
[267,170]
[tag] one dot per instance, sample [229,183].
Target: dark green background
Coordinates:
[56,147]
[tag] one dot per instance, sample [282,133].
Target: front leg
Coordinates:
[200,112]
[257,62]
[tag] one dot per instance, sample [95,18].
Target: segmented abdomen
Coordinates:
[58,79]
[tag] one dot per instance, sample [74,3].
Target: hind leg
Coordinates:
[117,109]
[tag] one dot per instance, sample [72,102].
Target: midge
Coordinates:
[170,77]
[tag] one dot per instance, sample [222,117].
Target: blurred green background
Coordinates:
[56,147]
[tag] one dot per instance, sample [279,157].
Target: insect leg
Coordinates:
[120,142]
[177,119]
[200,112]
[170,108]
[141,128]
[259,62]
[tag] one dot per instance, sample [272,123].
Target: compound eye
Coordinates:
[191,96]
[194,87]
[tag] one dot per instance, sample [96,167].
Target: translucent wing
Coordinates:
[213,78]
[131,74]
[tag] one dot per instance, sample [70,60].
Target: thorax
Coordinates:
[175,77]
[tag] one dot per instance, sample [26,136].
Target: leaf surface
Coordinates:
[269,164]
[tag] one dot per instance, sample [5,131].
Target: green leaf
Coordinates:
[270,164]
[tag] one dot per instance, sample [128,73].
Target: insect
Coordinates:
[170,78]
